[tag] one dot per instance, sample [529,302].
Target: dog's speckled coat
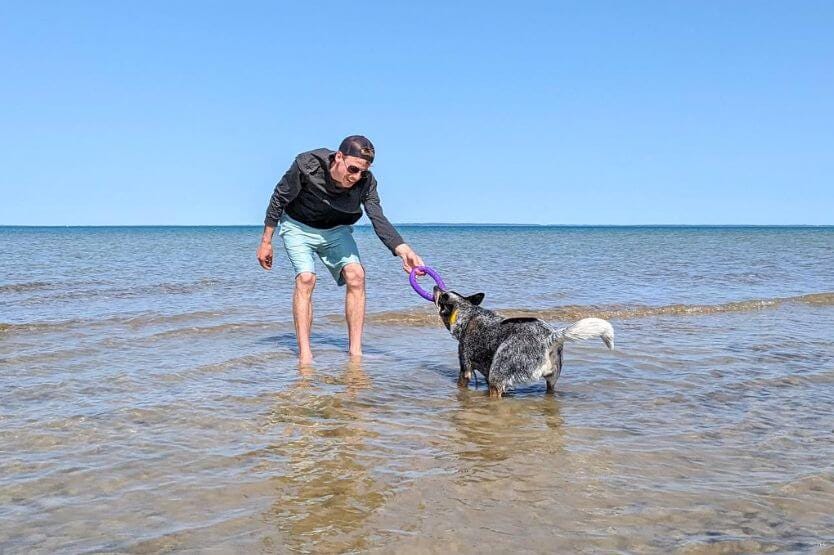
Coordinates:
[509,350]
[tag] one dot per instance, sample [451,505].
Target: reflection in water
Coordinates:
[323,488]
[490,456]
[491,432]
[334,471]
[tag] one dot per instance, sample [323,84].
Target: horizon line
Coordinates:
[418,224]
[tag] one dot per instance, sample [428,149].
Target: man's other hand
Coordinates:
[265,256]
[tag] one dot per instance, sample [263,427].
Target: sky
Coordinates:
[583,112]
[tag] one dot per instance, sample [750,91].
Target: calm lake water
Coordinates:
[150,399]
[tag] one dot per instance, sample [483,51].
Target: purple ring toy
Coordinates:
[412,278]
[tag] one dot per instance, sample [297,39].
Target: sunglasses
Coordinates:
[354,169]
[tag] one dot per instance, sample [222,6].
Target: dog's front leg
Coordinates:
[556,359]
[465,368]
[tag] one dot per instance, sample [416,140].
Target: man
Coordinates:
[314,206]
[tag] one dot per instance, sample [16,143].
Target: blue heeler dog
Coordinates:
[509,350]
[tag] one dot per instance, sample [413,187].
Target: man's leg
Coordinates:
[354,276]
[302,314]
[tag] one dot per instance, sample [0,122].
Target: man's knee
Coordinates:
[354,275]
[305,281]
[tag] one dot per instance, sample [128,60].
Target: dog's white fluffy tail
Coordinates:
[589,328]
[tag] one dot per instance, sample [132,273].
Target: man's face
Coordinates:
[348,170]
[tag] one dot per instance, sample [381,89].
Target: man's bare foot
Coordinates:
[305,359]
[354,356]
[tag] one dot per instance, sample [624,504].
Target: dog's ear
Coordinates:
[476,299]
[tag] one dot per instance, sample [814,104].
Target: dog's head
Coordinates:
[451,305]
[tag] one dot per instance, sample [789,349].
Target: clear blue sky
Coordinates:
[514,112]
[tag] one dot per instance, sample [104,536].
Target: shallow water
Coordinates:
[149,397]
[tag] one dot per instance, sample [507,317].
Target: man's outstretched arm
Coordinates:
[386,232]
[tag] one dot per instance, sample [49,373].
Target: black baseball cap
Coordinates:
[359,146]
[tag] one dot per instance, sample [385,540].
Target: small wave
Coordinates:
[154,318]
[425,316]
[428,316]
[213,329]
[133,321]
[816,298]
[38,326]
[24,287]
[181,288]
[245,361]
[103,290]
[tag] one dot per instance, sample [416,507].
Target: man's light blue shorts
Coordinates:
[335,247]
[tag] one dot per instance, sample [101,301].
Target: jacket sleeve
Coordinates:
[383,228]
[285,191]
